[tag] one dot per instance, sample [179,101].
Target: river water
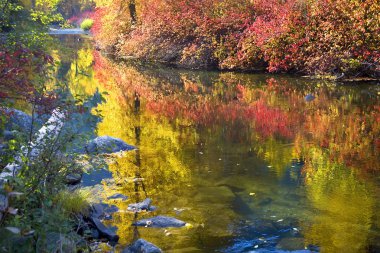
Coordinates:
[252,162]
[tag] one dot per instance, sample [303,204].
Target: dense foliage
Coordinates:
[281,36]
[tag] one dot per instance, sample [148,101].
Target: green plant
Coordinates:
[75,202]
[87,24]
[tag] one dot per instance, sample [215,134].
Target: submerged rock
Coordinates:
[118,196]
[104,231]
[141,206]
[107,145]
[160,222]
[142,246]
[291,243]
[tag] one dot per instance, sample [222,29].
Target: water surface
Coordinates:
[252,162]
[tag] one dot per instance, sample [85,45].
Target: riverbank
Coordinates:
[248,36]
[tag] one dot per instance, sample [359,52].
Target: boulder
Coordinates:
[74,178]
[18,120]
[101,210]
[142,246]
[141,206]
[104,231]
[160,222]
[107,145]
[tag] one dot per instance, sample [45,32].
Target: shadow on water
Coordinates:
[251,162]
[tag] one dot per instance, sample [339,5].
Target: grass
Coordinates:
[73,202]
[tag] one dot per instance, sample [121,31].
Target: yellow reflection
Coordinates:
[344,206]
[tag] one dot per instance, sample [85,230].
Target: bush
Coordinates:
[87,24]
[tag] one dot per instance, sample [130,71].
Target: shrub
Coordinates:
[87,24]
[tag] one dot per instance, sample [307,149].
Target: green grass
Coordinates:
[73,202]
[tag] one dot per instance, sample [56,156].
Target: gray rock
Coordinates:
[160,222]
[142,246]
[107,145]
[101,210]
[104,231]
[97,210]
[141,206]
[110,208]
[74,178]
[95,233]
[18,120]
[118,196]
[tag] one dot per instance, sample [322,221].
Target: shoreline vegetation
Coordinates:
[295,37]
[43,157]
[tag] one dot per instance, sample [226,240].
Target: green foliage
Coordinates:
[87,24]
[73,202]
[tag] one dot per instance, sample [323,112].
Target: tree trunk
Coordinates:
[132,11]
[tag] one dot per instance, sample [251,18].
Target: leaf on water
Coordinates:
[14,230]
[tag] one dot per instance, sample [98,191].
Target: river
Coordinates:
[252,162]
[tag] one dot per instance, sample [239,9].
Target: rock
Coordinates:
[141,206]
[74,178]
[265,201]
[107,145]
[160,222]
[104,231]
[101,210]
[219,194]
[18,120]
[142,246]
[95,233]
[291,243]
[97,210]
[118,196]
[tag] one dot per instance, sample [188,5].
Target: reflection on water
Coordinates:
[246,160]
